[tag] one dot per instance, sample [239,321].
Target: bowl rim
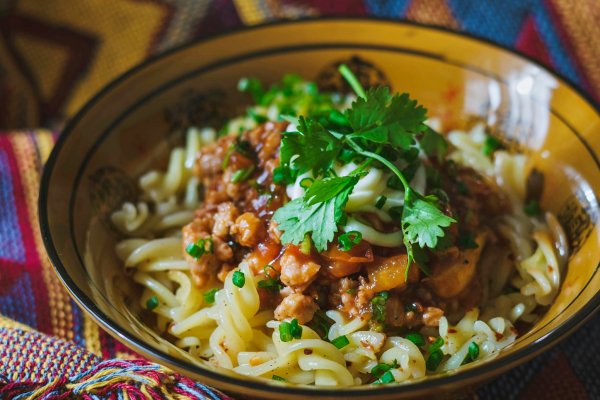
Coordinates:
[490,368]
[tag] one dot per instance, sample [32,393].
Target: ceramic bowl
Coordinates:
[130,126]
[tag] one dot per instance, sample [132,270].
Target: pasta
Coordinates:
[229,284]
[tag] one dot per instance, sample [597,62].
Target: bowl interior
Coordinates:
[131,126]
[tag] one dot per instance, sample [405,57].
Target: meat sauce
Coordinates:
[236,214]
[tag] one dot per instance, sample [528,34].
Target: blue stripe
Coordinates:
[390,9]
[11,241]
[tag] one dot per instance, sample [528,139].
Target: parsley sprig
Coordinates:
[378,124]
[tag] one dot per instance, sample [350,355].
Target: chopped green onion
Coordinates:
[532,208]
[259,119]
[340,342]
[239,279]
[416,338]
[295,329]
[378,303]
[209,297]
[152,303]
[198,249]
[466,241]
[388,377]
[278,378]
[228,154]
[381,368]
[436,345]
[348,240]
[244,147]
[306,182]
[252,86]
[434,360]
[270,284]
[352,80]
[351,291]
[285,332]
[380,202]
[490,145]
[473,351]
[306,245]
[242,174]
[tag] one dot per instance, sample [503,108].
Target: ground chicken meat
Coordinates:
[297,269]
[224,219]
[205,266]
[432,315]
[298,306]
[248,230]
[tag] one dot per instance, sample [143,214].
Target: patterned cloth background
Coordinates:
[55,54]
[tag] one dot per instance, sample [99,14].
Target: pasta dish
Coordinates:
[336,240]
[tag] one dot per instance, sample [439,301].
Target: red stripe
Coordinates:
[32,259]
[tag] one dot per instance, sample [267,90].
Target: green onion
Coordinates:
[380,369]
[242,174]
[466,241]
[416,338]
[209,297]
[198,249]
[252,86]
[388,377]
[306,182]
[239,279]
[340,342]
[351,291]
[434,360]
[244,147]
[490,145]
[285,332]
[295,329]
[152,303]
[278,378]
[270,284]
[348,240]
[436,345]
[473,351]
[378,306]
[228,154]
[532,208]
[306,245]
[259,119]
[380,202]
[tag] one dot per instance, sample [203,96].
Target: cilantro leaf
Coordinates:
[315,148]
[317,213]
[386,119]
[433,144]
[422,220]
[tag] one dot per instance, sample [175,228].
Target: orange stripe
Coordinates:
[61,313]
[581,23]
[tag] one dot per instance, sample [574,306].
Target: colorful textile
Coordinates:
[55,54]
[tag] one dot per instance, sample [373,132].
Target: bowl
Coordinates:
[130,126]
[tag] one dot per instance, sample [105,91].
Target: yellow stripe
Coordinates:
[61,313]
[91,335]
[249,11]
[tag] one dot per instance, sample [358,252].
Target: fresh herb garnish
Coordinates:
[152,303]
[436,345]
[434,360]
[416,338]
[340,342]
[278,378]
[201,247]
[209,297]
[490,145]
[380,202]
[378,303]
[381,369]
[349,239]
[473,353]
[242,174]
[380,123]
[290,330]
[272,283]
[238,279]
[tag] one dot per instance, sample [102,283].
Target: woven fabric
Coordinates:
[53,58]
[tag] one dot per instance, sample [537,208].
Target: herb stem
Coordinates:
[352,81]
[382,160]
